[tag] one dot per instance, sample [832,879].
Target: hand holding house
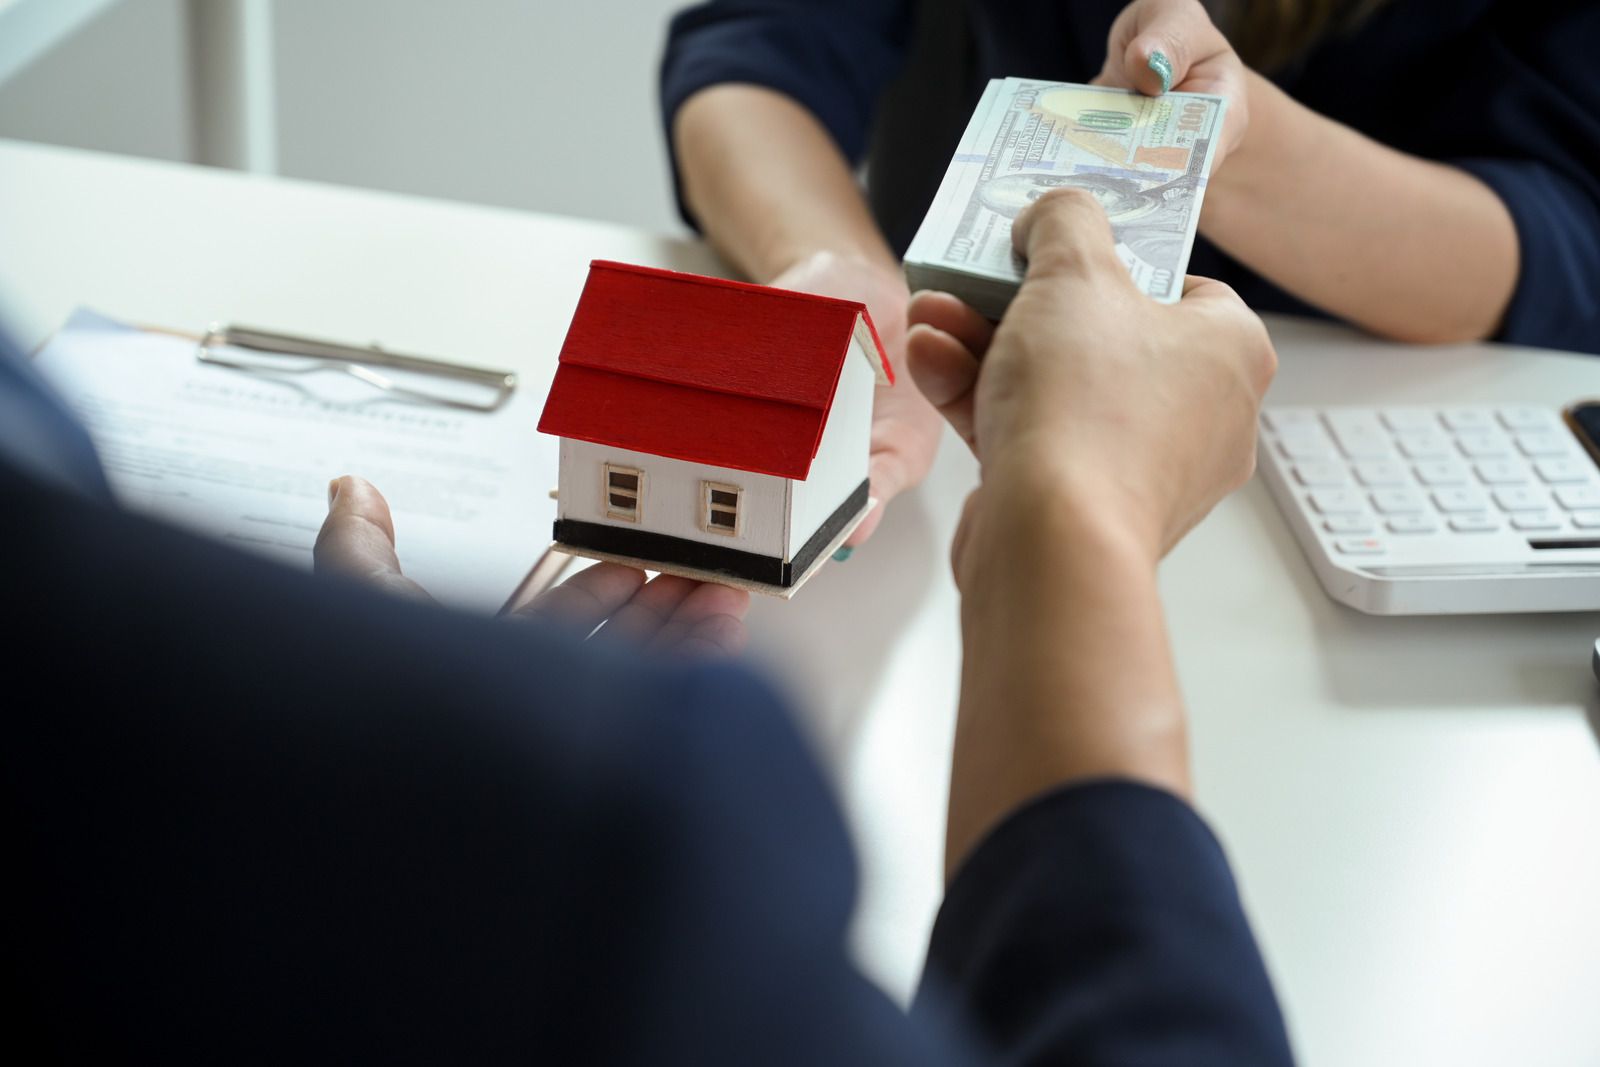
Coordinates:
[712,428]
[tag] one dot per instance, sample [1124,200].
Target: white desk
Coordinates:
[1412,805]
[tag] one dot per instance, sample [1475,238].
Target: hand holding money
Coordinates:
[1144,159]
[1158,45]
[1083,408]
[1078,388]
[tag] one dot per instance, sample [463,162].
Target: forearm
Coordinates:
[1067,674]
[1405,247]
[767,184]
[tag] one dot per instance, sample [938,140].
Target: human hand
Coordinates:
[1091,391]
[1156,45]
[1106,425]
[905,428]
[667,614]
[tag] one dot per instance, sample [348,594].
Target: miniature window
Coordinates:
[721,508]
[624,487]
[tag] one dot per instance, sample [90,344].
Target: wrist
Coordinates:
[860,256]
[1057,492]
[1038,563]
[1258,147]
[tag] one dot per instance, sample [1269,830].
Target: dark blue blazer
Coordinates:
[1504,89]
[257,817]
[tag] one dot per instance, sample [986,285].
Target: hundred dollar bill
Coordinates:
[1146,159]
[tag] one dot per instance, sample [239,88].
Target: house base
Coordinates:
[838,528]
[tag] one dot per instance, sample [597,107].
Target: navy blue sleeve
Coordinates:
[833,57]
[37,432]
[258,818]
[1101,925]
[1529,82]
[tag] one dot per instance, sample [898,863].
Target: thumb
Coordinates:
[1154,63]
[1065,233]
[1167,38]
[357,538]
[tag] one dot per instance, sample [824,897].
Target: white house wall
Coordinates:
[671,503]
[841,462]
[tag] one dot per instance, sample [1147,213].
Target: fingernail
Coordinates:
[844,553]
[333,491]
[1159,63]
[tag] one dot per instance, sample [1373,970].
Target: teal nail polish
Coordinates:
[844,553]
[1159,63]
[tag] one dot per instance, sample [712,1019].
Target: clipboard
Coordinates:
[230,462]
[494,387]
[359,363]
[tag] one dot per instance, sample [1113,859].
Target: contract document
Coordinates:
[246,456]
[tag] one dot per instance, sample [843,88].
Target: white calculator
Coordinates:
[1441,511]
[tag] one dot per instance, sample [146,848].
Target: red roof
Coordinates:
[702,369]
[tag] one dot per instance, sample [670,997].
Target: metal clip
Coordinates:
[356,361]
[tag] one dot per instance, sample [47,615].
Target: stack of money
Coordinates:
[1146,159]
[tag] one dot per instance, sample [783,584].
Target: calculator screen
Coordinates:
[1585,419]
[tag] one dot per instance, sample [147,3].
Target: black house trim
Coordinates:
[736,563]
[853,505]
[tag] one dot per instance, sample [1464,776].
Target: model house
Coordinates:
[712,428]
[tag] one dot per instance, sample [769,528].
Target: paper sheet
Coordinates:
[246,457]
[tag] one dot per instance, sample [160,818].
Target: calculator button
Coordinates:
[1316,475]
[1467,420]
[1541,444]
[1347,524]
[1337,502]
[1459,500]
[1563,471]
[1579,497]
[1365,446]
[1301,445]
[1380,473]
[1521,499]
[1409,420]
[1586,520]
[1281,420]
[1536,520]
[1358,434]
[1359,546]
[1441,472]
[1352,422]
[1524,418]
[1424,446]
[1412,524]
[1474,524]
[1398,501]
[1483,445]
[1502,472]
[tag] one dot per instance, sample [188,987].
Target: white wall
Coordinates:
[671,503]
[119,84]
[523,103]
[843,453]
